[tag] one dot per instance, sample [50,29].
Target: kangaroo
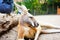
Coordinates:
[28,27]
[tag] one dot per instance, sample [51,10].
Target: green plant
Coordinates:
[39,8]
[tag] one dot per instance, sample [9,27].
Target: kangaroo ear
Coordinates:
[18,6]
[21,8]
[24,9]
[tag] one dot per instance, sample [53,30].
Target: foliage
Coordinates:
[38,8]
[51,1]
[31,4]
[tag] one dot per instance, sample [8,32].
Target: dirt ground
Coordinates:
[55,36]
[12,34]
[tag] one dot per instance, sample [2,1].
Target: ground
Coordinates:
[12,34]
[55,36]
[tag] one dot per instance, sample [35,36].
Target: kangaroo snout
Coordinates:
[36,24]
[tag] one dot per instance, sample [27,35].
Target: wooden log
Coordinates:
[8,22]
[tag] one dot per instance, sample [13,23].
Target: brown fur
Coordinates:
[30,33]
[25,29]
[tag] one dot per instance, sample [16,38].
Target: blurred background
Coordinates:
[41,7]
[48,12]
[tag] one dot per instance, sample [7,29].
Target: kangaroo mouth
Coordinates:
[33,25]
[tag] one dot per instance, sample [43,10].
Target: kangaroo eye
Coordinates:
[30,17]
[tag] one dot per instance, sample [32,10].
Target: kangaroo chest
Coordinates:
[29,32]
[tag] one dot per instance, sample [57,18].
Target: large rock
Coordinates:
[8,27]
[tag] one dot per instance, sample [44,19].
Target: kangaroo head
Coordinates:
[29,19]
[26,17]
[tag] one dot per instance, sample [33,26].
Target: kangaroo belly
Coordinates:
[30,32]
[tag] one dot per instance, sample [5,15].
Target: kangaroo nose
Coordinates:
[36,24]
